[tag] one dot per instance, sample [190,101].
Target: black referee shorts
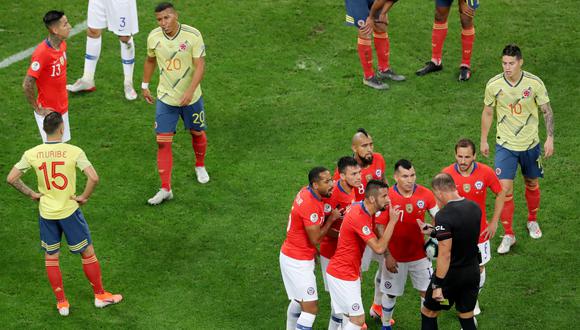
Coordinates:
[461,287]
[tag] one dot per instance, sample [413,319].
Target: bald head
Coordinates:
[443,182]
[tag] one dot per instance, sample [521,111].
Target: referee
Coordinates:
[456,280]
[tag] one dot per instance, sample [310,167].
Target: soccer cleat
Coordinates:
[390,74]
[464,73]
[201,173]
[130,93]
[160,196]
[81,85]
[63,308]
[375,83]
[376,311]
[534,229]
[506,244]
[428,68]
[476,309]
[106,299]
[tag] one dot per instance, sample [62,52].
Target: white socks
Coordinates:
[481,279]
[292,314]
[388,308]
[378,294]
[305,321]
[335,320]
[128,59]
[92,53]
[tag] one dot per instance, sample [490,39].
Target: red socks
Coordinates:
[507,215]
[437,39]
[164,159]
[92,271]
[365,54]
[467,38]
[199,144]
[382,46]
[533,201]
[55,278]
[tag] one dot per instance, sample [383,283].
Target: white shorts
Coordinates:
[394,283]
[40,122]
[345,296]
[485,250]
[323,265]
[368,256]
[118,16]
[299,279]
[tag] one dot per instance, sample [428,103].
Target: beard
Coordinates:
[327,194]
[366,161]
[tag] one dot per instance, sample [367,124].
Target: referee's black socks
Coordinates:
[429,323]
[468,324]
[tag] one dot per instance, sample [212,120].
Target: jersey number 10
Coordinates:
[54,174]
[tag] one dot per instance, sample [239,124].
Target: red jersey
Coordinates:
[340,200]
[307,210]
[48,67]
[407,241]
[357,228]
[375,171]
[474,187]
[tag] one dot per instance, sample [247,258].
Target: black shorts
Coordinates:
[461,287]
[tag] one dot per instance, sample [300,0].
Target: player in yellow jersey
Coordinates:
[55,165]
[516,96]
[179,52]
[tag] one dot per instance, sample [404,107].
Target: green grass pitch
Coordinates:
[283,93]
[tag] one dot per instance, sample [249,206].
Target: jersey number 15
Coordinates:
[54,174]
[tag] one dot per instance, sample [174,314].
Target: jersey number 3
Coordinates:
[54,174]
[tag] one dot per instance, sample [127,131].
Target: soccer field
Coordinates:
[283,94]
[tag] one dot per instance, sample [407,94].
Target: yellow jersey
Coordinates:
[516,108]
[175,61]
[55,166]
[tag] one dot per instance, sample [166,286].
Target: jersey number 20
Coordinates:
[54,174]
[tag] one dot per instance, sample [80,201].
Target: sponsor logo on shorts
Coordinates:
[366,230]
[314,217]
[388,285]
[498,171]
[355,307]
[379,173]
[479,185]
[35,66]
[311,291]
[466,187]
[409,208]
[327,208]
[420,203]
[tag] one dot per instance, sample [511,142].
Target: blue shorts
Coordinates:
[506,162]
[357,11]
[166,117]
[75,230]
[443,3]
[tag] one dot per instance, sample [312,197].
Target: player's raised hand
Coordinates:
[147,95]
[489,232]
[80,199]
[549,147]
[334,215]
[484,148]
[395,214]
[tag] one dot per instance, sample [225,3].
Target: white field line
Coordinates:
[27,52]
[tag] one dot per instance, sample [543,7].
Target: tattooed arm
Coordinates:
[29,86]
[549,120]
[14,180]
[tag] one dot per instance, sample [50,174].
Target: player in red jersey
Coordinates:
[306,228]
[405,255]
[472,180]
[341,199]
[47,72]
[357,231]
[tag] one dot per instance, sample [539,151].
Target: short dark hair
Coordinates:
[512,50]
[52,122]
[314,174]
[345,162]
[51,17]
[443,182]
[363,131]
[465,143]
[162,6]
[373,187]
[406,164]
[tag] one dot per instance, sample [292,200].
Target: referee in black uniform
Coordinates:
[456,280]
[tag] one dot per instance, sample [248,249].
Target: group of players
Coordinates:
[178,50]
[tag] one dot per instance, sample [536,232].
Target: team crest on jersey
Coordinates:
[327,208]
[378,173]
[314,217]
[35,66]
[369,177]
[182,47]
[311,291]
[420,203]
[366,230]
[409,208]
[466,187]
[478,185]
[388,285]
[526,93]
[355,307]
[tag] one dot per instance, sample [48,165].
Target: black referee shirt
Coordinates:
[460,220]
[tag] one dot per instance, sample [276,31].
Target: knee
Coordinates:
[363,35]
[93,33]
[531,183]
[196,133]
[124,39]
[441,15]
[481,269]
[358,320]
[53,256]
[310,307]
[89,251]
[466,21]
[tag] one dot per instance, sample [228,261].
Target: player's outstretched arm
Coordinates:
[148,69]
[486,120]
[549,119]
[92,181]
[14,180]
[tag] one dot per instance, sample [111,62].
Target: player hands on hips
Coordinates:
[370,17]
[47,73]
[516,95]
[466,13]
[179,52]
[306,228]
[357,231]
[119,17]
[59,210]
